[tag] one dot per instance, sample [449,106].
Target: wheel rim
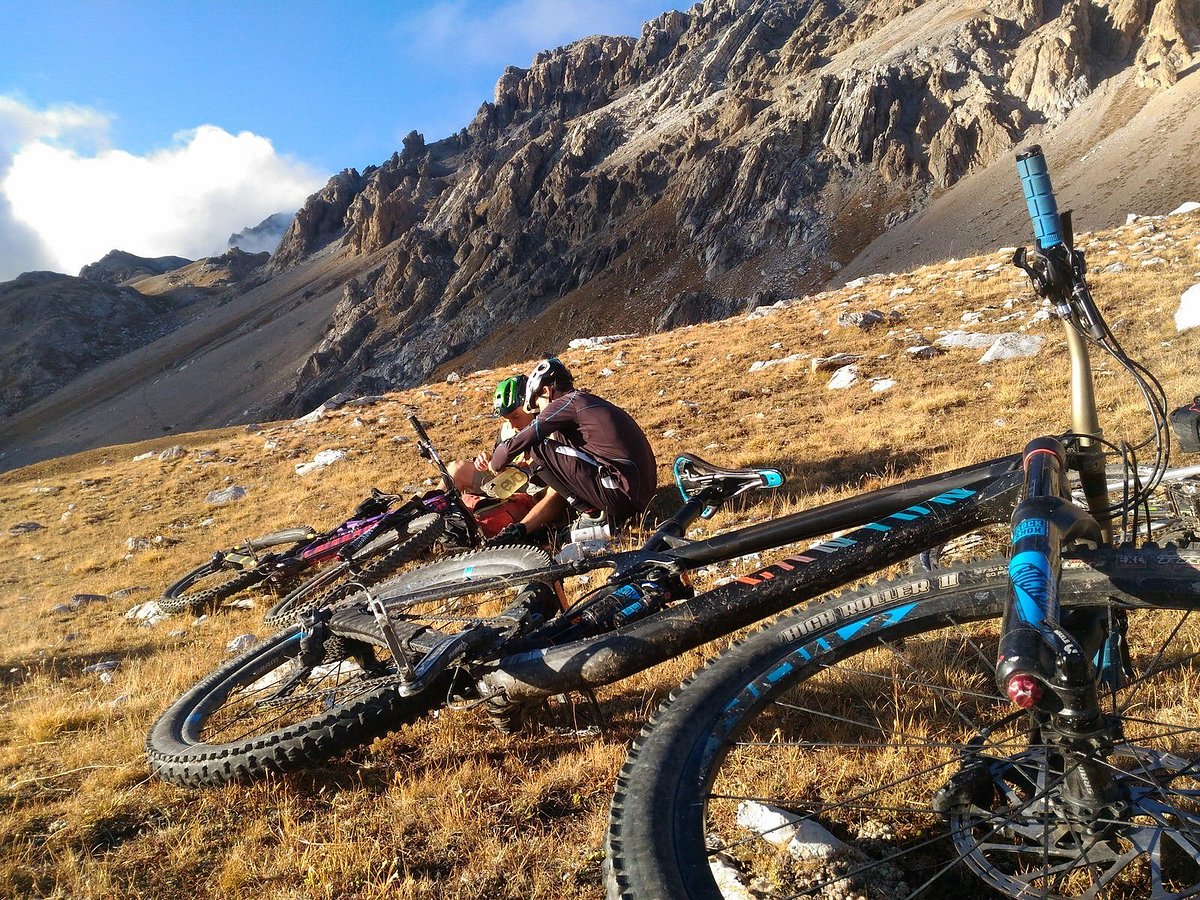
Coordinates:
[861,746]
[274,689]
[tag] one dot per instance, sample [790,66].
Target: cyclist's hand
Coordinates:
[483,462]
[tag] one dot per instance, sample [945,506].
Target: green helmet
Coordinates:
[510,394]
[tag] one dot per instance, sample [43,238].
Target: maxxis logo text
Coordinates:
[855,608]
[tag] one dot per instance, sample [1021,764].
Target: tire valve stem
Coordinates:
[1024,691]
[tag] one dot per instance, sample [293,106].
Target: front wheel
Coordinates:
[860,747]
[379,559]
[289,702]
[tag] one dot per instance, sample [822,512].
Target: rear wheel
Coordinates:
[208,585]
[298,698]
[860,747]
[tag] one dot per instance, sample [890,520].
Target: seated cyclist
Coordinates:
[590,454]
[508,403]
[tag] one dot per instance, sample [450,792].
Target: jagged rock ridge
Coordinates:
[745,144]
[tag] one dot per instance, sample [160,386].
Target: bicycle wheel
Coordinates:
[294,700]
[488,621]
[860,747]
[385,556]
[280,706]
[206,586]
[451,614]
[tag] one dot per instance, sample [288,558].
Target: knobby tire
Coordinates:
[852,712]
[269,710]
[178,598]
[327,586]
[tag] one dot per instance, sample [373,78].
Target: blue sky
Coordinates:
[161,127]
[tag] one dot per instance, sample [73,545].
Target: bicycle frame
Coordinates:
[877,529]
[888,526]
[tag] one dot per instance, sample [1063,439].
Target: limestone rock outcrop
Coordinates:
[741,145]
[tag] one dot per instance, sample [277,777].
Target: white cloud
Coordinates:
[20,124]
[62,185]
[512,31]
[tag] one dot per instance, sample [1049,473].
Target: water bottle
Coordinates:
[578,550]
[590,532]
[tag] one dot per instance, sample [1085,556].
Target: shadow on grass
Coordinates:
[559,728]
[60,663]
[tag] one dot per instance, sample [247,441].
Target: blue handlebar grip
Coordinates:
[1039,197]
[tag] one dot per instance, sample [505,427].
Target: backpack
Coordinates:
[1186,422]
[495,515]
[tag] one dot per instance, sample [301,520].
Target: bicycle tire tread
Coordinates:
[184,602]
[641,834]
[291,607]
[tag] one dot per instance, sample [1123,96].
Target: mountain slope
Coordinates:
[446,807]
[53,327]
[742,152]
[747,145]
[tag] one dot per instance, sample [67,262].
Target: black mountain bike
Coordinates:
[880,716]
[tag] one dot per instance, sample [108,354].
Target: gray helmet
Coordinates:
[549,372]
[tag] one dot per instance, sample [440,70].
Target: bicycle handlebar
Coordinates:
[418,428]
[426,449]
[1039,197]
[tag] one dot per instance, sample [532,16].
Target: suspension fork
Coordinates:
[1042,666]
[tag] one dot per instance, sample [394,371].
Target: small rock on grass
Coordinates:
[227,495]
[241,644]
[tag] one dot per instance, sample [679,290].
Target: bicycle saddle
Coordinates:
[693,473]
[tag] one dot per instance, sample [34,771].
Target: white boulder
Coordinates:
[1188,314]
[1013,346]
[967,340]
[591,343]
[322,460]
[843,378]
[759,365]
[803,838]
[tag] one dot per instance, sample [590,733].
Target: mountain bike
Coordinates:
[384,532]
[1041,790]
[1022,726]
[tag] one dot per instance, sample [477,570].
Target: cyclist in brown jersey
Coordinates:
[588,452]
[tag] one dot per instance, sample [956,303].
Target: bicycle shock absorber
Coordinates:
[1042,666]
[1035,651]
[626,602]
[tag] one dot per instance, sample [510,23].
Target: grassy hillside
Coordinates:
[448,807]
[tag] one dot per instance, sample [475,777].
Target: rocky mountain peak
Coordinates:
[741,145]
[118,267]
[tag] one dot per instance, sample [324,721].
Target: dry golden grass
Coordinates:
[447,807]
